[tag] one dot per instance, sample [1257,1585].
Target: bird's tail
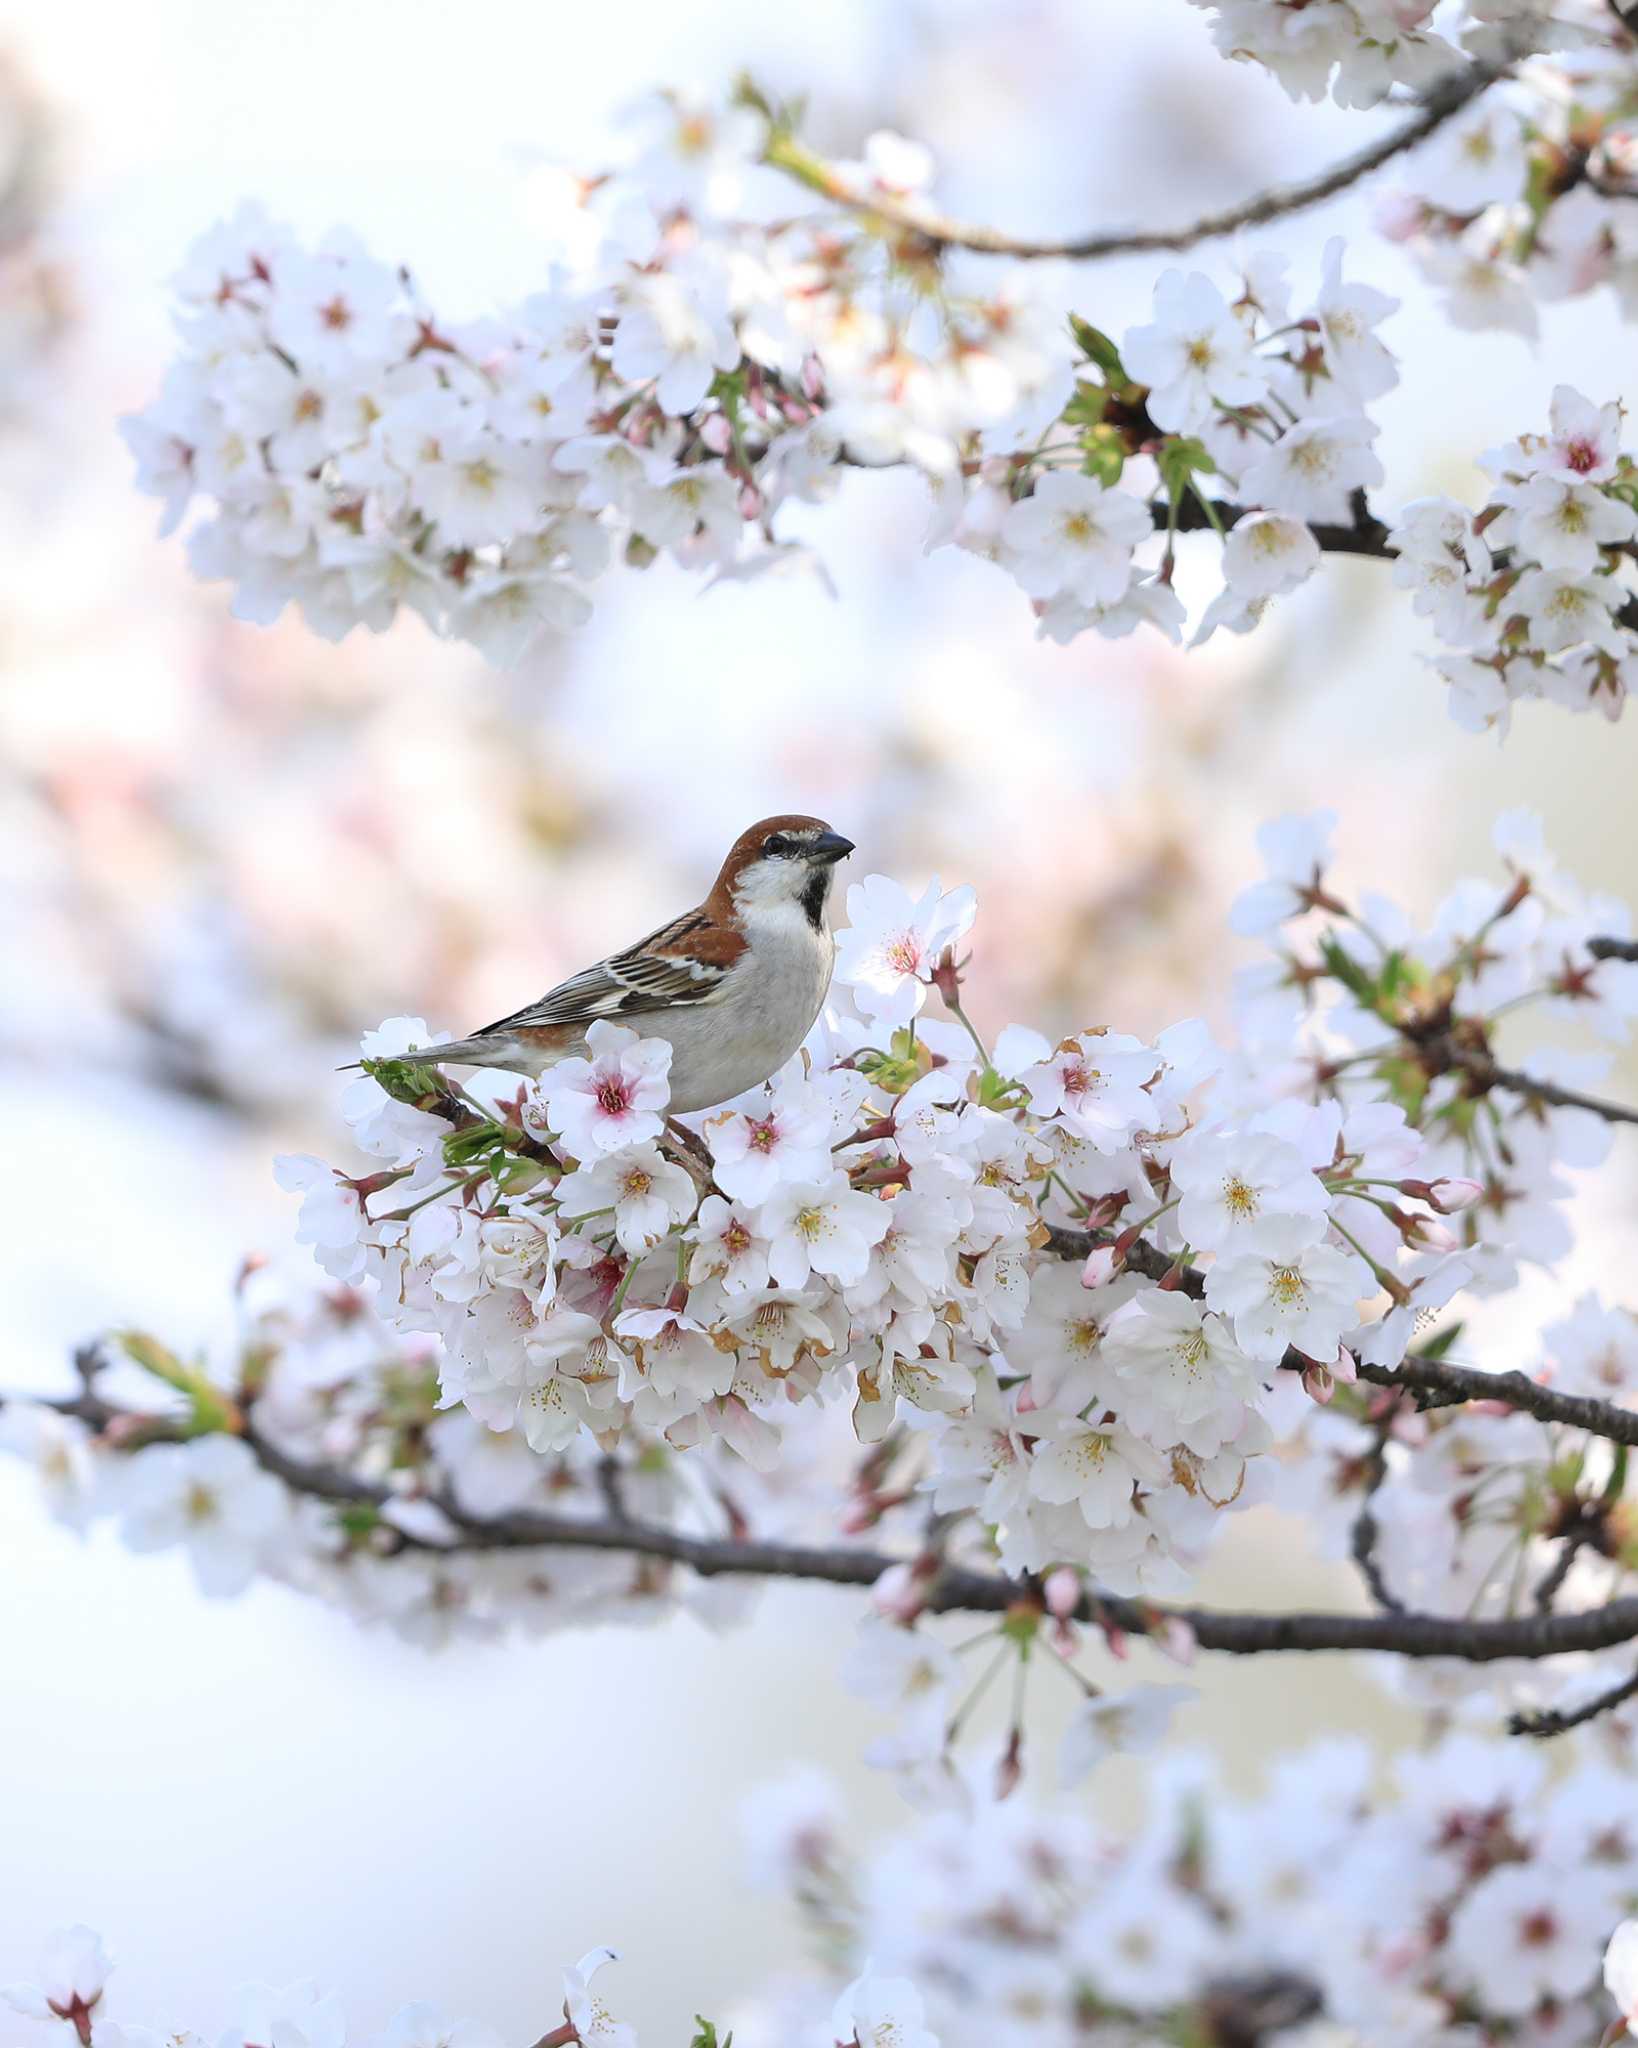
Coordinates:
[483,1049]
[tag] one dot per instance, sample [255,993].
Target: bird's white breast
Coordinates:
[766,1009]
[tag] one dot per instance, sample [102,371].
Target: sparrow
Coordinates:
[733,986]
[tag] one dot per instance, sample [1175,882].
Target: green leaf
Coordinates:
[1408,1084]
[900,1067]
[994,1089]
[409,1081]
[1179,457]
[1096,346]
[706,2035]
[1105,455]
[1342,966]
[1086,408]
[1441,1342]
[1395,975]
[462,1148]
[209,1408]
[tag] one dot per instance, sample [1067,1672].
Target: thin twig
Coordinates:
[1366,1529]
[938,231]
[1613,949]
[1431,1382]
[1560,1720]
[1485,1070]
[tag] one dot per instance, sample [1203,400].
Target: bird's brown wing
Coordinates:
[685,962]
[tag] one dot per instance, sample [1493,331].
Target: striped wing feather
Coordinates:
[686,961]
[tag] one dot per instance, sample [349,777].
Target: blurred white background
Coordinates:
[224,851]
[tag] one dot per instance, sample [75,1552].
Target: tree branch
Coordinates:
[1365,536]
[938,232]
[1613,949]
[954,1588]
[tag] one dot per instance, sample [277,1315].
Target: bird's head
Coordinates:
[782,863]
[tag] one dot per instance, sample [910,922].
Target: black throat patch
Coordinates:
[813,897]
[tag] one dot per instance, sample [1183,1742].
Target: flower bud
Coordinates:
[1061,1589]
[717,433]
[900,1594]
[1009,1770]
[1175,1639]
[1101,1266]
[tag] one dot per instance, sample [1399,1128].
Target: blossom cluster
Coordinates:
[1358,50]
[362,453]
[1527,592]
[1522,197]
[75,1967]
[1068,1296]
[884,1221]
[684,376]
[1251,395]
[1469,1898]
[1525,198]
[693,367]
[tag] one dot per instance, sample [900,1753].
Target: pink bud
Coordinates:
[1175,1639]
[1436,1237]
[716,433]
[1449,1196]
[1065,1639]
[1398,216]
[1062,1590]
[898,1595]
[1100,1267]
[813,378]
[751,503]
[1318,1383]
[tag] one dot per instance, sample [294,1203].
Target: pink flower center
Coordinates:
[764,1133]
[904,953]
[613,1097]
[1581,455]
[1537,1929]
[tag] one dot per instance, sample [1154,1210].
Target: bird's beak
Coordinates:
[829,848]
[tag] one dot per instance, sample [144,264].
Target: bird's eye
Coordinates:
[778,845]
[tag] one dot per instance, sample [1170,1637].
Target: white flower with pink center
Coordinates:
[893,942]
[615,1098]
[1097,1085]
[1583,439]
[785,1134]
[727,1248]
